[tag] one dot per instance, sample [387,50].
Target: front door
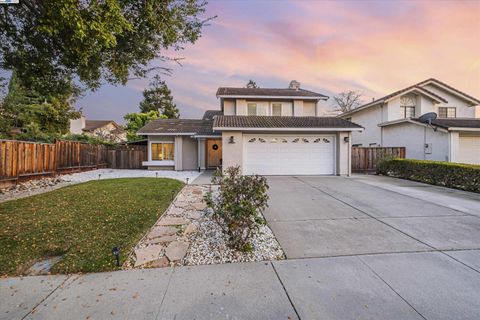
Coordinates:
[214,153]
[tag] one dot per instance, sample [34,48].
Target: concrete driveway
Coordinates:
[364,247]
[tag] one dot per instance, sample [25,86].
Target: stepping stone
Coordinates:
[176,250]
[43,267]
[159,263]
[200,206]
[197,191]
[191,228]
[172,221]
[161,232]
[161,240]
[181,204]
[194,215]
[147,254]
[174,211]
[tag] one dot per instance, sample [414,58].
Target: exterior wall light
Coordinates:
[346,139]
[116,253]
[231,139]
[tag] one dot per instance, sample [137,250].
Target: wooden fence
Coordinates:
[21,160]
[365,159]
[127,157]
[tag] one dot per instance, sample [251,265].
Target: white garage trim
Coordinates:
[289,154]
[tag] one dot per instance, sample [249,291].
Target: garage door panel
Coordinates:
[290,155]
[469,149]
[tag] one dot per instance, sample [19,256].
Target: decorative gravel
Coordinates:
[34,187]
[187,235]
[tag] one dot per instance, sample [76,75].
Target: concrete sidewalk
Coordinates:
[430,285]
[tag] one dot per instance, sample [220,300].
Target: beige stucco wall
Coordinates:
[201,153]
[298,108]
[232,153]
[189,154]
[241,107]
[344,148]
[309,109]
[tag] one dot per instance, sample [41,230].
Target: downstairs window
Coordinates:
[162,151]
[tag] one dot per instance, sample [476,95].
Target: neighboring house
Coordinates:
[264,131]
[392,121]
[103,129]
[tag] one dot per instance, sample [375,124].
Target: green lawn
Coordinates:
[82,222]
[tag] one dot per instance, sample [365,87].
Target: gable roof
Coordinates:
[443,123]
[420,89]
[178,127]
[209,114]
[276,122]
[91,125]
[225,92]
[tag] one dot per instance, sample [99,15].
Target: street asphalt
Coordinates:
[363,247]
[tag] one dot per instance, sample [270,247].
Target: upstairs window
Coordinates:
[276,109]
[408,104]
[252,109]
[409,112]
[447,112]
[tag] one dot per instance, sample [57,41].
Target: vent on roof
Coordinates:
[294,84]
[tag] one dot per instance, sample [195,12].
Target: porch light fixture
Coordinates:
[346,139]
[116,253]
[231,139]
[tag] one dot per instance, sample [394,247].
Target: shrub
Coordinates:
[447,174]
[238,205]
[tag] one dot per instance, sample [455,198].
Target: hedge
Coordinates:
[447,174]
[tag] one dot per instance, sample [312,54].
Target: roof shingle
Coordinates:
[270,92]
[178,126]
[281,122]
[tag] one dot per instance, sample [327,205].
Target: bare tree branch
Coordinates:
[347,100]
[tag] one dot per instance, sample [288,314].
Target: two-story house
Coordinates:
[263,130]
[392,121]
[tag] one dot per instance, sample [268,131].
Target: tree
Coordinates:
[39,117]
[347,100]
[55,41]
[251,84]
[159,98]
[135,121]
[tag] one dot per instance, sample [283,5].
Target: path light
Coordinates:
[156,174]
[99,175]
[173,194]
[116,253]
[187,180]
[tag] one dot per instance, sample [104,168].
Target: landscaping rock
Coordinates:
[159,263]
[176,250]
[200,206]
[172,221]
[147,254]
[161,240]
[190,229]
[161,232]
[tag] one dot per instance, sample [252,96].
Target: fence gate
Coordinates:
[365,159]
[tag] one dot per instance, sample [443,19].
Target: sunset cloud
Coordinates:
[373,46]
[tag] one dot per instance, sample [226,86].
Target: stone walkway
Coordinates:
[168,240]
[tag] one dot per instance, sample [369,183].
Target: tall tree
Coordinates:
[347,100]
[55,41]
[137,120]
[158,97]
[251,84]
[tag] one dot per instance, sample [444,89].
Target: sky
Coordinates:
[375,47]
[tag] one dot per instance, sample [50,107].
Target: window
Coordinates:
[447,112]
[276,109]
[252,109]
[409,112]
[162,151]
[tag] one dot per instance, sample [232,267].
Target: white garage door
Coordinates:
[289,155]
[469,149]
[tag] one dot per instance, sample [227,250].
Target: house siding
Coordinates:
[369,119]
[190,154]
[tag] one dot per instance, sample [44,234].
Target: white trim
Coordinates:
[272,97]
[167,134]
[421,90]
[206,136]
[458,94]
[285,129]
[463,129]
[164,163]
[149,151]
